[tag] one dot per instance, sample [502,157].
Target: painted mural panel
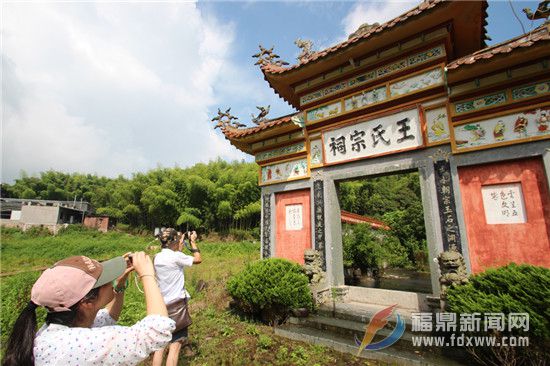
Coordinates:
[316,151]
[392,133]
[533,90]
[515,127]
[284,171]
[388,69]
[481,102]
[286,150]
[325,111]
[365,98]
[437,125]
[418,82]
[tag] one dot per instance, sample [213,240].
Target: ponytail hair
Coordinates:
[21,342]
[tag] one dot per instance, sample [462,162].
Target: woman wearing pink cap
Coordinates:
[83,307]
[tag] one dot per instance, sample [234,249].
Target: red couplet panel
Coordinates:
[293,222]
[507,213]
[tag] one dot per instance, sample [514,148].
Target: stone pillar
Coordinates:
[447,206]
[266,226]
[319,221]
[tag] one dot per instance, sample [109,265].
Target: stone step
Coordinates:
[413,301]
[391,355]
[348,328]
[361,312]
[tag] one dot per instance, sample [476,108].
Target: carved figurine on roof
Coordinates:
[306,46]
[260,118]
[226,120]
[363,29]
[542,12]
[268,57]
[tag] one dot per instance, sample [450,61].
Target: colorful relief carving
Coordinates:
[380,72]
[533,90]
[426,55]
[482,102]
[325,111]
[508,128]
[417,82]
[392,133]
[365,98]
[437,125]
[391,68]
[286,150]
[361,79]
[316,152]
[284,171]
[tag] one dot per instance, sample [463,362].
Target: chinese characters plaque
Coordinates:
[503,204]
[294,217]
[393,133]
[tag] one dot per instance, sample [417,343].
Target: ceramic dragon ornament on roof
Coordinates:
[306,46]
[542,11]
[363,29]
[226,120]
[268,57]
[260,118]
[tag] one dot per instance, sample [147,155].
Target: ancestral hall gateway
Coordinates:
[419,93]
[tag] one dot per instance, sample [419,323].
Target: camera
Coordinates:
[129,261]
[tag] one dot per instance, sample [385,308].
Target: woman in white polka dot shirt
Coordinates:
[83,306]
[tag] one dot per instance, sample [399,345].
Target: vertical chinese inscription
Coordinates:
[447,207]
[504,204]
[266,232]
[319,207]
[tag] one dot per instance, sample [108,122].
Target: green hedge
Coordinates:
[509,289]
[270,289]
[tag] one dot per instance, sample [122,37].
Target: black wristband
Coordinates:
[195,250]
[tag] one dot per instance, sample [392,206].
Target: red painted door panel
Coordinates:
[492,245]
[293,233]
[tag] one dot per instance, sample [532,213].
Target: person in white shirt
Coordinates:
[169,265]
[84,299]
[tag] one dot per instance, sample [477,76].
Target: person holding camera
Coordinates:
[84,299]
[169,265]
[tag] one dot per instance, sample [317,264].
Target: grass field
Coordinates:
[219,337]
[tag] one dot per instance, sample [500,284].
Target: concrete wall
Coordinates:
[54,228]
[42,215]
[15,215]
[100,223]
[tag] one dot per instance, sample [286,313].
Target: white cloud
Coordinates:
[111,88]
[374,12]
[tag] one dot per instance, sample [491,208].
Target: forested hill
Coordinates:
[214,196]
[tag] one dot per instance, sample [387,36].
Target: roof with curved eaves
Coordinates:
[539,34]
[231,132]
[425,5]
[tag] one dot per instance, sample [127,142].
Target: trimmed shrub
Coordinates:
[509,289]
[269,289]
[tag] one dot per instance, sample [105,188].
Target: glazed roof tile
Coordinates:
[231,132]
[525,40]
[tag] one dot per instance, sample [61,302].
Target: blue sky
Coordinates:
[120,87]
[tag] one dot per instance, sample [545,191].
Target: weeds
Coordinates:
[219,337]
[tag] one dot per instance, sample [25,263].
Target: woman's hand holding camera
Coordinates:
[192,236]
[143,264]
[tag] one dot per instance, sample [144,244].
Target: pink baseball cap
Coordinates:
[69,280]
